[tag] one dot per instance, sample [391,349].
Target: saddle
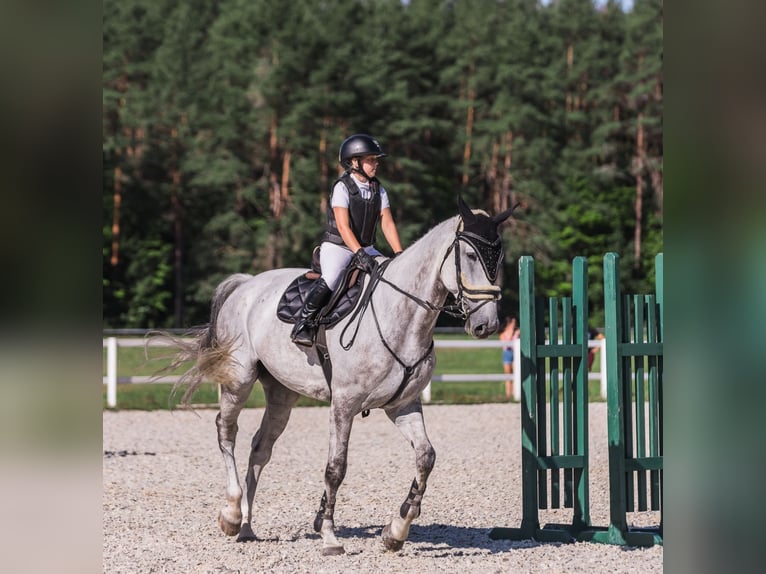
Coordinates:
[343,299]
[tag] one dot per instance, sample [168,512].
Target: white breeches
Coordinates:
[335,258]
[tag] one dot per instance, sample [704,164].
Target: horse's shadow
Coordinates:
[439,539]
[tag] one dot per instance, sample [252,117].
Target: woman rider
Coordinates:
[357,203]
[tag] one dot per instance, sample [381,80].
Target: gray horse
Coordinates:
[381,355]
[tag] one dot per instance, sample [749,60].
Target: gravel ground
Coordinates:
[164,481]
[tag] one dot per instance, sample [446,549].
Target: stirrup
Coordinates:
[304,336]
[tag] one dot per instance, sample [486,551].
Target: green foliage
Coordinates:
[222,120]
[147,300]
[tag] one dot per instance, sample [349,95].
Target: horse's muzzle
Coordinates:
[481,331]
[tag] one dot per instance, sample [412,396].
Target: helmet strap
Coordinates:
[357,169]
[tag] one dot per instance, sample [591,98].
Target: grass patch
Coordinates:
[157,396]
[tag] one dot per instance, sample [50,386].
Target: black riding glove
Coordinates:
[365,261]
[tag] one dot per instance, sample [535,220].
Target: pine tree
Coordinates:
[222,123]
[132,32]
[641,62]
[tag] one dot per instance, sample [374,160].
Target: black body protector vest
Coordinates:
[363,214]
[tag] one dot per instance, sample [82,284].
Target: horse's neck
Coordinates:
[417,270]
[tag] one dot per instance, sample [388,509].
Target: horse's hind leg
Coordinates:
[233,398]
[279,404]
[409,421]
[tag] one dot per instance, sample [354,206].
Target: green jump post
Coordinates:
[539,358]
[630,319]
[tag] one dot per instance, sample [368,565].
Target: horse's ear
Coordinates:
[465,212]
[500,217]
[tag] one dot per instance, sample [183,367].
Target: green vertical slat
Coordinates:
[626,363]
[581,517]
[553,334]
[654,475]
[528,347]
[566,397]
[659,294]
[613,331]
[640,432]
[542,417]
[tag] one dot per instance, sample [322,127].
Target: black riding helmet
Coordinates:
[358,145]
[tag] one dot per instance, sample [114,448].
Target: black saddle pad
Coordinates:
[291,303]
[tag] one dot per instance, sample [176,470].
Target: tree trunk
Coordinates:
[506,199]
[657,180]
[239,206]
[175,202]
[275,193]
[656,174]
[468,134]
[639,172]
[492,183]
[285,181]
[324,169]
[570,61]
[116,214]
[273,138]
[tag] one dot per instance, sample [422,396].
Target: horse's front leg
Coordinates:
[340,430]
[409,421]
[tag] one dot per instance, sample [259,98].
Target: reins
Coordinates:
[485,294]
[458,310]
[375,279]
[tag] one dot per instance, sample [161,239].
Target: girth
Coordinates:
[343,300]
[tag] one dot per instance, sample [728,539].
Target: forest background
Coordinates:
[222,121]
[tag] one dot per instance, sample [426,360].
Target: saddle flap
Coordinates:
[340,304]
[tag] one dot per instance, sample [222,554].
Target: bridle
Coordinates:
[490,254]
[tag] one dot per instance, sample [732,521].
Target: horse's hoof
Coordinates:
[389,541]
[229,528]
[246,534]
[333,551]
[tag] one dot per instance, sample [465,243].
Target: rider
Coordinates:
[357,203]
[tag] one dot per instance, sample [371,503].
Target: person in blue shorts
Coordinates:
[509,333]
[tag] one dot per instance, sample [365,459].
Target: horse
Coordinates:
[382,357]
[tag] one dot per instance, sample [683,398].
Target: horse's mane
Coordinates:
[454,224]
[439,230]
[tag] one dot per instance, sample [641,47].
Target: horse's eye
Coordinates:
[472,256]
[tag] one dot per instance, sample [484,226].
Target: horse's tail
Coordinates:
[222,292]
[210,352]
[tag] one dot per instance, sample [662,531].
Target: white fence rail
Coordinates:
[516,375]
[111,380]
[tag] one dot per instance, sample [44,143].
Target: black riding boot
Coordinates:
[305,329]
